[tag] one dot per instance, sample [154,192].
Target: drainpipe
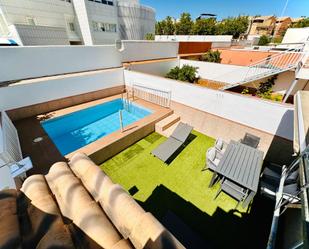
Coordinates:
[289,91]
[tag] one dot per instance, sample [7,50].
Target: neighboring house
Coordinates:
[296,20]
[75,22]
[282,24]
[194,44]
[262,25]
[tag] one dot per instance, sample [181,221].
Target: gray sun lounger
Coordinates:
[165,150]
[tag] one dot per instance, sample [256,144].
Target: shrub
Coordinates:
[212,56]
[265,89]
[264,40]
[278,39]
[245,91]
[186,73]
[149,36]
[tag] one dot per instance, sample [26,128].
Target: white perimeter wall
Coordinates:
[148,50]
[20,95]
[196,38]
[160,68]
[267,116]
[30,62]
[229,74]
[296,35]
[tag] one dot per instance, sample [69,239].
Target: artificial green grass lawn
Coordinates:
[135,166]
[181,186]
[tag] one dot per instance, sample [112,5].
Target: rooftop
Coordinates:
[116,107]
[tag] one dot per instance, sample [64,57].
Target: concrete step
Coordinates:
[168,132]
[167,122]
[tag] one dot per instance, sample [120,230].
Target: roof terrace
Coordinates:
[67,117]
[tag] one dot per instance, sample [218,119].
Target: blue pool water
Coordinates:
[75,130]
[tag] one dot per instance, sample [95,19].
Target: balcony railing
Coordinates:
[153,95]
[11,151]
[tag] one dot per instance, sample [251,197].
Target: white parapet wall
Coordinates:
[57,87]
[273,118]
[159,68]
[31,62]
[148,50]
[296,35]
[195,38]
[229,74]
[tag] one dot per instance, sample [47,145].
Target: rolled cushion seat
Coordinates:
[121,208]
[76,204]
[36,189]
[143,229]
[92,177]
[150,233]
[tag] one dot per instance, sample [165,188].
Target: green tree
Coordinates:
[212,56]
[165,27]
[204,27]
[185,25]
[159,27]
[302,23]
[150,36]
[186,73]
[169,27]
[264,40]
[234,26]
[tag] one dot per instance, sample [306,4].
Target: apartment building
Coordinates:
[262,25]
[282,24]
[75,22]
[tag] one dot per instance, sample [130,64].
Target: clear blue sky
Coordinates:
[225,8]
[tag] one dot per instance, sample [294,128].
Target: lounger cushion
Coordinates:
[165,150]
[182,132]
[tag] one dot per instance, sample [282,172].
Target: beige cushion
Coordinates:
[36,189]
[123,244]
[76,204]
[121,208]
[150,233]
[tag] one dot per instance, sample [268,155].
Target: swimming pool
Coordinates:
[75,130]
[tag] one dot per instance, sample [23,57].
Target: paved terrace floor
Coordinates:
[178,195]
[44,154]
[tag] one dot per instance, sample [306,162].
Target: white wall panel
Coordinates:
[148,50]
[274,118]
[44,90]
[31,62]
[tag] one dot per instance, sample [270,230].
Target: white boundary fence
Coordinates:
[154,95]
[10,151]
[267,116]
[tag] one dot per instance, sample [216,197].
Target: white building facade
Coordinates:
[75,22]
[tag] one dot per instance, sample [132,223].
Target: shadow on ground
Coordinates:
[197,229]
[186,143]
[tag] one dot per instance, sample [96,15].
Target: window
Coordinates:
[104,27]
[111,3]
[71,26]
[31,21]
